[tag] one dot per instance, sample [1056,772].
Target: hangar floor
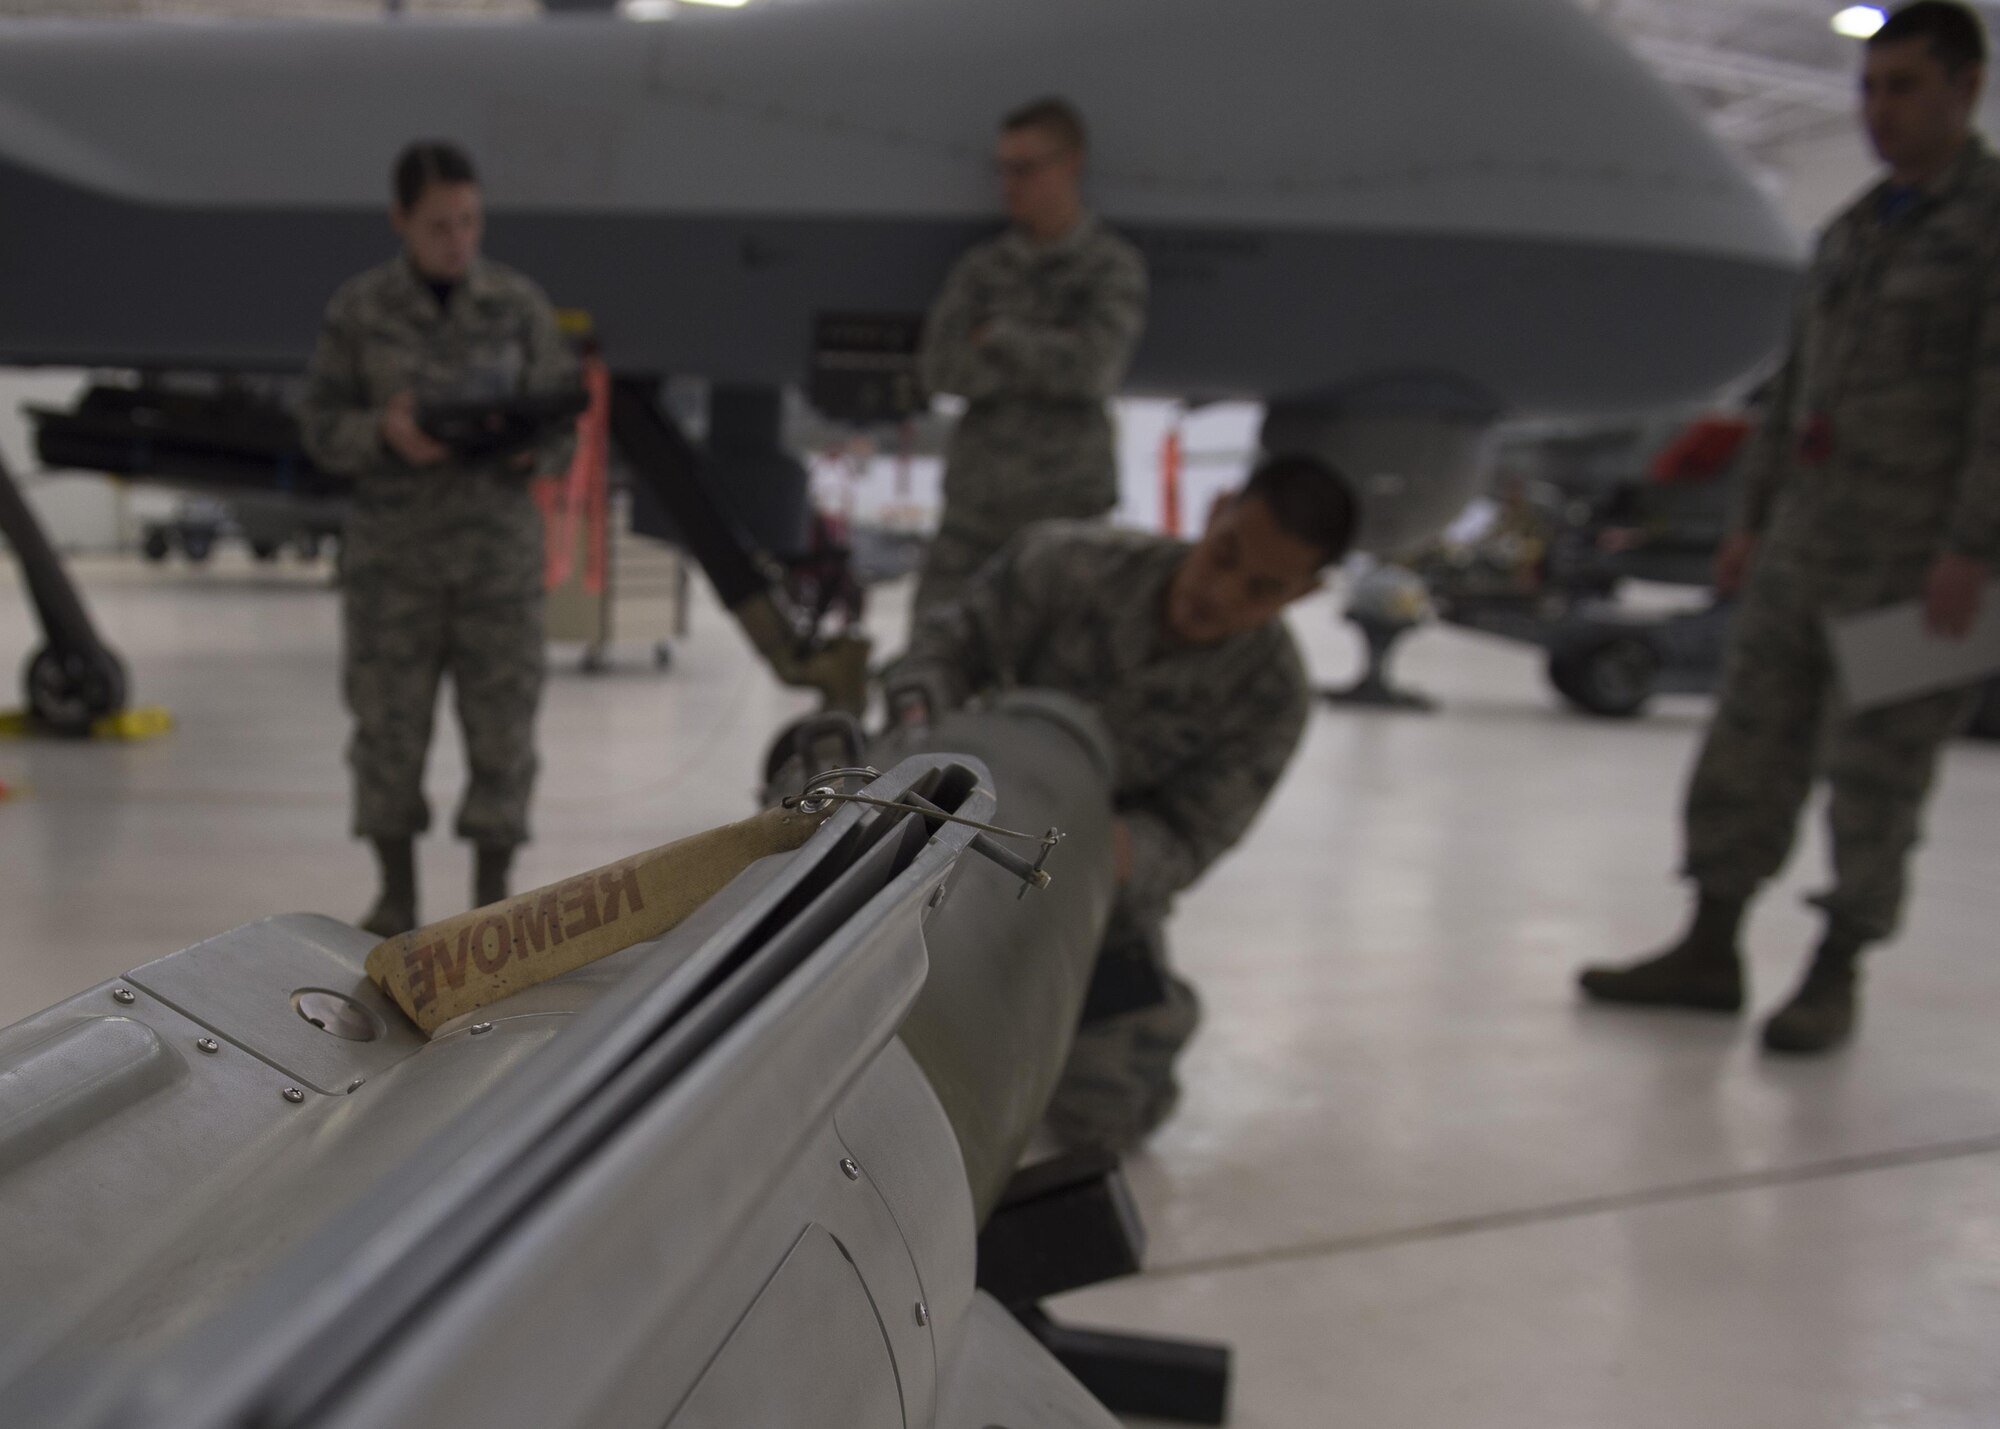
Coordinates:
[1413,1180]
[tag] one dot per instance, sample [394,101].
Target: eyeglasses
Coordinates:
[1028,168]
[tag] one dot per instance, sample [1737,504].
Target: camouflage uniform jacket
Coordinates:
[1059,324]
[1881,443]
[385,333]
[1201,734]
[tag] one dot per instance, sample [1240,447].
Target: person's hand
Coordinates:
[405,438]
[1733,562]
[1121,851]
[1952,595]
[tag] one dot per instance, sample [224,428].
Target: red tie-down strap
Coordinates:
[582,495]
[1701,452]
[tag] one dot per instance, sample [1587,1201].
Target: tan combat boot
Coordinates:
[1822,1012]
[395,911]
[1703,972]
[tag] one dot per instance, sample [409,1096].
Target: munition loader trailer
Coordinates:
[731,1175]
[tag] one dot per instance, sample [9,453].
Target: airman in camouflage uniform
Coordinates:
[1875,472]
[1035,333]
[1201,731]
[442,564]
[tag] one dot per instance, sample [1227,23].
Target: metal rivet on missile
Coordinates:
[850,1168]
[923,1313]
[294,1095]
[124,994]
[479,1027]
[208,1044]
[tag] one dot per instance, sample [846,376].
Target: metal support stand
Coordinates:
[74,679]
[1071,1222]
[1375,688]
[675,474]
[1186,1381]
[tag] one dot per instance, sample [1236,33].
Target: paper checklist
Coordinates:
[1888,655]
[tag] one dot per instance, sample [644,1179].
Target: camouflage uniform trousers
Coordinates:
[1779,725]
[1118,1085]
[402,638]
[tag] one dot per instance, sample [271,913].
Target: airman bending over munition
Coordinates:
[1181,650]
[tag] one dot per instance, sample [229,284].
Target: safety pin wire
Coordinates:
[916,804]
[820,795]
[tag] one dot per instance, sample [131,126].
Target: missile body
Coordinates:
[701,1182]
[991,1031]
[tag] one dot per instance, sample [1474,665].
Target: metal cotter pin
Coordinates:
[820,792]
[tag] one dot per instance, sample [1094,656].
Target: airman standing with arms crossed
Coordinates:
[442,558]
[1874,479]
[1034,329]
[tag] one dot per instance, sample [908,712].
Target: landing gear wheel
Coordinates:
[663,656]
[264,550]
[157,545]
[1612,676]
[197,545]
[69,691]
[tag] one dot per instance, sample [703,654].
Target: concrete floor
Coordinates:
[1413,1181]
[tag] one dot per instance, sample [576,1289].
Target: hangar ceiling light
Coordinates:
[1858,22]
[664,9]
[1768,74]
